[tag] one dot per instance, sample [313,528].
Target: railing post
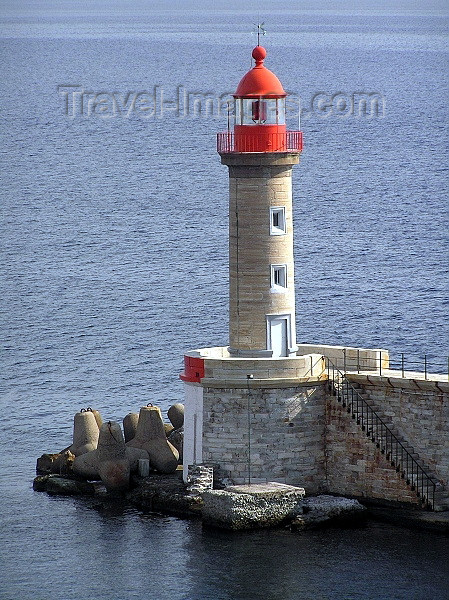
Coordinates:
[358,361]
[311,366]
[425,366]
[380,363]
[344,360]
[402,364]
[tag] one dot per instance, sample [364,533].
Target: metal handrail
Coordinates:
[420,365]
[287,141]
[380,434]
[312,366]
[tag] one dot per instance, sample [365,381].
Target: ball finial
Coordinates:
[259,53]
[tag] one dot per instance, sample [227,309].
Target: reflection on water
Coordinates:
[98,549]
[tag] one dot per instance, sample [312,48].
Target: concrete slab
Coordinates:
[267,490]
[252,506]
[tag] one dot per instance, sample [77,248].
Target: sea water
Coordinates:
[114,261]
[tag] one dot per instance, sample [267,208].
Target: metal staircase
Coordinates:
[431,494]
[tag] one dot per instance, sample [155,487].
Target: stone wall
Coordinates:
[419,411]
[354,466]
[287,443]
[349,357]
[301,436]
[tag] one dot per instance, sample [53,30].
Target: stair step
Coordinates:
[418,473]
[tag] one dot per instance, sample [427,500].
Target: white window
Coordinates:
[278,225]
[278,276]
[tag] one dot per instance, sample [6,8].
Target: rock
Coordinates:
[150,436]
[166,494]
[199,479]
[326,510]
[40,483]
[60,463]
[85,433]
[176,438]
[56,485]
[130,426]
[176,415]
[252,506]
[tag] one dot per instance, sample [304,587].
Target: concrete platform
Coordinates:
[272,489]
[252,506]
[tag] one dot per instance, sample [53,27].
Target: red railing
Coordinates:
[290,141]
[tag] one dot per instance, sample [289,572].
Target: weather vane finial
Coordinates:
[260,30]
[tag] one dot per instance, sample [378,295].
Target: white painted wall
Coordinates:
[193,426]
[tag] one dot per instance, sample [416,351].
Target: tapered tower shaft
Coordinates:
[261,264]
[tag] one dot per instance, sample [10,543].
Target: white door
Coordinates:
[278,336]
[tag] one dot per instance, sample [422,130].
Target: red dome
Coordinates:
[259,81]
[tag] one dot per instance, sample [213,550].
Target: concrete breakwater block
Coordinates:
[112,461]
[168,428]
[252,506]
[97,416]
[85,432]
[150,436]
[176,439]
[328,510]
[115,474]
[130,426]
[113,464]
[176,415]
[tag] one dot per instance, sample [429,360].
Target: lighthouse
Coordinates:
[260,154]
[242,400]
[262,408]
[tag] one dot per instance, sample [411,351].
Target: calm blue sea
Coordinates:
[114,261]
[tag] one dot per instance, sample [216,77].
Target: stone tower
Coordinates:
[260,154]
[262,350]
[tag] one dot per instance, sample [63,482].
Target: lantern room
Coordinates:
[260,114]
[260,97]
